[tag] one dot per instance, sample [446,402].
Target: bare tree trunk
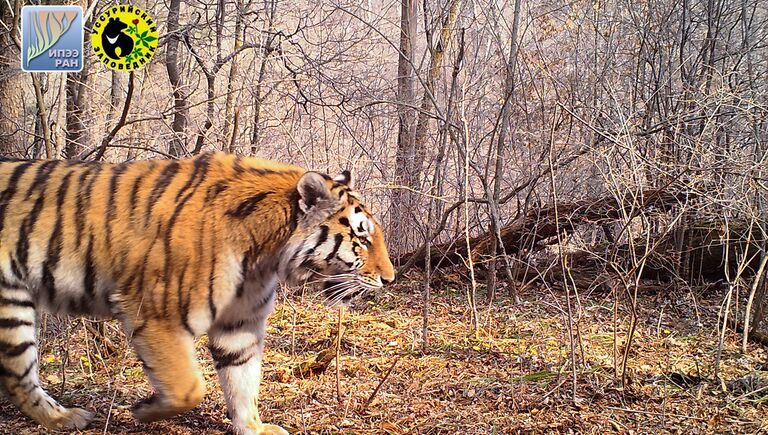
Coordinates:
[257,97]
[42,112]
[12,120]
[60,134]
[438,187]
[99,152]
[77,133]
[437,54]
[506,111]
[114,98]
[229,121]
[257,107]
[178,145]
[211,73]
[402,200]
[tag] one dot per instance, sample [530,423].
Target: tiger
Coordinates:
[173,249]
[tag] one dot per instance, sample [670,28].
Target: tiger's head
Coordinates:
[337,241]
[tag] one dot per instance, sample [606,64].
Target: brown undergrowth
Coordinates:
[511,377]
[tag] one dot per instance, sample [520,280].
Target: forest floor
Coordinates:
[514,376]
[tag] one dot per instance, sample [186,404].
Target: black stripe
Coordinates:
[29,388]
[248,206]
[336,245]
[32,364]
[200,170]
[295,256]
[308,263]
[5,284]
[346,263]
[10,190]
[55,242]
[16,270]
[15,350]
[166,287]
[214,190]
[130,280]
[43,172]
[134,198]
[194,182]
[184,304]
[137,330]
[140,277]
[27,227]
[151,303]
[49,281]
[235,326]
[161,184]
[358,209]
[14,323]
[344,221]
[321,238]
[224,358]
[263,301]
[251,256]
[89,278]
[17,303]
[293,202]
[79,205]
[237,166]
[117,172]
[211,279]
[8,373]
[249,261]
[83,202]
[62,192]
[265,171]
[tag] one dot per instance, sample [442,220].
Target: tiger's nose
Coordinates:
[387,281]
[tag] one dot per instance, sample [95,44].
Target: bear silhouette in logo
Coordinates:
[113,38]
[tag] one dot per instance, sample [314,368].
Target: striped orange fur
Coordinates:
[175,250]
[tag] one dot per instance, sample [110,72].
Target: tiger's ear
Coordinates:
[313,191]
[344,178]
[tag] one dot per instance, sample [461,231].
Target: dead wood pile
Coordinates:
[531,230]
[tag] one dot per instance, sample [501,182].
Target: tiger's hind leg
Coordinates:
[18,365]
[168,353]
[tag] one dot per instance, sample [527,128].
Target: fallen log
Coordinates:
[706,260]
[540,224]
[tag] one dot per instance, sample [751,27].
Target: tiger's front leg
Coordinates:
[168,353]
[236,343]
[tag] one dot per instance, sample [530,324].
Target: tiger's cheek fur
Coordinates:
[346,251]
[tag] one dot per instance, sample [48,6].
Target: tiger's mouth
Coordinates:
[342,292]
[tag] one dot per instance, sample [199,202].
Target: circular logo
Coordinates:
[124,38]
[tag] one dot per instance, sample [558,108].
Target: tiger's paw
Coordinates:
[71,418]
[262,429]
[152,409]
[271,429]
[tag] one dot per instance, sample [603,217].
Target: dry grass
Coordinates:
[514,378]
